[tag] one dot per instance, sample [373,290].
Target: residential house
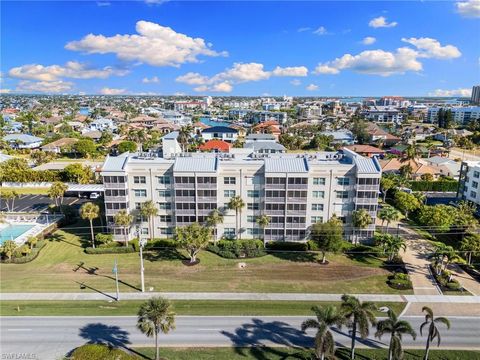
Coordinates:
[23,141]
[418,169]
[366,150]
[220,132]
[344,137]
[60,145]
[215,145]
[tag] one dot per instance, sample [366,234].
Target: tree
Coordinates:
[236,203]
[433,331]
[85,147]
[57,191]
[77,173]
[406,202]
[154,316]
[328,236]
[470,244]
[9,196]
[388,214]
[263,221]
[426,177]
[360,315]
[393,245]
[360,220]
[386,184]
[465,215]
[445,254]
[125,146]
[406,171]
[32,241]
[8,248]
[326,316]
[123,220]
[359,131]
[193,238]
[149,210]
[90,211]
[214,218]
[184,136]
[439,217]
[396,328]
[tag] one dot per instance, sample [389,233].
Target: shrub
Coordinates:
[110,250]
[103,239]
[400,281]
[233,249]
[312,245]
[29,257]
[161,243]
[454,285]
[287,245]
[100,351]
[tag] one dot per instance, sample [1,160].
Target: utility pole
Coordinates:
[141,243]
[115,270]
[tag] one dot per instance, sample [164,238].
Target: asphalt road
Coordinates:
[52,337]
[27,203]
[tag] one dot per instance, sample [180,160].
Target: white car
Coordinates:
[94,195]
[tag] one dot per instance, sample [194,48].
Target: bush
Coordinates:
[161,243]
[400,281]
[103,239]
[110,250]
[27,258]
[312,245]
[440,185]
[444,280]
[234,249]
[100,352]
[287,245]
[454,285]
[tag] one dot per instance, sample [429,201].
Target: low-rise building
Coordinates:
[220,132]
[23,141]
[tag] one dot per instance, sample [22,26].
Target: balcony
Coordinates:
[297,212]
[115,185]
[206,186]
[184,186]
[188,199]
[366,201]
[275,226]
[296,226]
[185,211]
[275,186]
[274,200]
[274,212]
[116,198]
[368,188]
[212,199]
[297,186]
[297,199]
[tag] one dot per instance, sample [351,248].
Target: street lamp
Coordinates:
[141,243]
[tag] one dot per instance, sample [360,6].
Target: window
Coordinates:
[342,194]
[319,194]
[185,193]
[165,218]
[229,232]
[184,179]
[275,181]
[166,231]
[278,207]
[343,181]
[473,194]
[140,192]
[206,180]
[115,192]
[253,193]
[297,181]
[317,207]
[164,193]
[253,206]
[185,206]
[139,180]
[295,219]
[274,193]
[229,193]
[229,180]
[297,207]
[165,206]
[475,185]
[316,219]
[114,179]
[251,218]
[164,180]
[297,194]
[253,231]
[368,181]
[144,231]
[476,174]
[318,181]
[207,206]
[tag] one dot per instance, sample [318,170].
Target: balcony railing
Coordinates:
[296,225]
[366,201]
[185,211]
[274,199]
[275,226]
[185,198]
[368,187]
[184,186]
[207,198]
[115,185]
[116,198]
[274,212]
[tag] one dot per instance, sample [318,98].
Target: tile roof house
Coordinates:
[366,150]
[215,145]
[58,145]
[393,166]
[378,133]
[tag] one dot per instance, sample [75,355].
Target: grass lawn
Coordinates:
[282,353]
[26,190]
[62,266]
[182,307]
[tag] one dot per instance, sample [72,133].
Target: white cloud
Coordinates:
[321,31]
[112,91]
[470,8]
[71,69]
[192,78]
[154,44]
[375,62]
[431,48]
[448,93]
[154,79]
[243,72]
[103,3]
[369,40]
[49,87]
[312,87]
[156,2]
[290,71]
[381,22]
[303,29]
[224,86]
[295,82]
[5,91]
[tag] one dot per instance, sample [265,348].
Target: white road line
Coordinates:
[209,329]
[25,208]
[19,329]
[74,201]
[34,196]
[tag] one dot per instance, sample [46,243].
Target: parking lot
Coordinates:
[38,203]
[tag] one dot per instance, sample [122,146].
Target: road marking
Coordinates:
[209,329]
[74,201]
[19,329]
[34,196]
[25,208]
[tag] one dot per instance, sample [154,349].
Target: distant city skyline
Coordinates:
[241,48]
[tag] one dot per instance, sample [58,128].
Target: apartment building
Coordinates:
[294,191]
[461,115]
[475,98]
[469,182]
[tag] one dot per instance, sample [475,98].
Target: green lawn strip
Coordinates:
[62,266]
[182,307]
[26,190]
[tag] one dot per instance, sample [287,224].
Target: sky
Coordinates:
[313,48]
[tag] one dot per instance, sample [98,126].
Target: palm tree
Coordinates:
[263,221]
[149,210]
[393,246]
[406,171]
[432,329]
[214,218]
[327,316]
[9,195]
[445,255]
[57,191]
[360,315]
[90,211]
[184,135]
[123,219]
[156,315]
[388,214]
[360,220]
[396,328]
[236,203]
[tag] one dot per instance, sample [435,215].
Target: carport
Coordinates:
[84,189]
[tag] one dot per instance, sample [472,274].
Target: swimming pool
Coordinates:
[209,122]
[12,231]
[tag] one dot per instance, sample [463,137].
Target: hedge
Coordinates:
[234,249]
[27,258]
[287,245]
[440,185]
[110,250]
[400,281]
[100,352]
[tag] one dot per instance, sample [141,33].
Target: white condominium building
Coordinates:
[294,191]
[461,115]
[469,182]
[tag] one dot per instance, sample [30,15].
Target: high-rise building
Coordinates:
[293,190]
[475,99]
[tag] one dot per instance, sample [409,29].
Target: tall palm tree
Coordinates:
[184,135]
[156,315]
[433,332]
[360,220]
[123,219]
[236,203]
[90,211]
[393,246]
[388,214]
[396,328]
[214,218]
[149,210]
[326,316]
[360,315]
[57,191]
[263,221]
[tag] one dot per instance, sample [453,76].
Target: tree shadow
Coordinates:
[164,254]
[254,334]
[367,342]
[299,256]
[61,238]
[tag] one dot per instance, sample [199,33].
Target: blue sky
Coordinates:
[241,48]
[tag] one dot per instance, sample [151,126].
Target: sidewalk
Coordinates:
[465,279]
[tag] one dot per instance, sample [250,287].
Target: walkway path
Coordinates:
[468,283]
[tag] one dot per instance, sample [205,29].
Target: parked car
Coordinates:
[94,195]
